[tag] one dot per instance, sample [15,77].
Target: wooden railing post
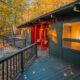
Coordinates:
[22,62]
[36,50]
[19,64]
[14,41]
[25,42]
[3,71]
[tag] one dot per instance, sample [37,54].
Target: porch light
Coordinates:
[51,16]
[76,8]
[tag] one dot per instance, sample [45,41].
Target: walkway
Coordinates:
[49,68]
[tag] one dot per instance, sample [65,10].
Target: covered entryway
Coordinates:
[40,34]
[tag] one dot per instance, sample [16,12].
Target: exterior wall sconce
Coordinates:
[76,8]
[51,16]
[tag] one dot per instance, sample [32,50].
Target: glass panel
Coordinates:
[66,44]
[67,30]
[75,45]
[71,31]
[76,30]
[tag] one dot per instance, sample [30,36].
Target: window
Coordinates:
[71,35]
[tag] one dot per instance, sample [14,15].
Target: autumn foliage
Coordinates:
[17,12]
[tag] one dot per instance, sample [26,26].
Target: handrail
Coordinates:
[16,53]
[17,61]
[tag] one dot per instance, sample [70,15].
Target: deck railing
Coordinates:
[20,43]
[13,65]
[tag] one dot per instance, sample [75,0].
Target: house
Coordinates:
[58,30]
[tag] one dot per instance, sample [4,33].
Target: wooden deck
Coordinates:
[50,68]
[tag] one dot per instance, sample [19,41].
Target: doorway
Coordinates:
[39,33]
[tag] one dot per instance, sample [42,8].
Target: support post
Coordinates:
[36,50]
[36,33]
[41,35]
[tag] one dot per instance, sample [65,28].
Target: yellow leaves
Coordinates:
[20,4]
[1,21]
[44,6]
[8,10]
[4,5]
[37,8]
[8,7]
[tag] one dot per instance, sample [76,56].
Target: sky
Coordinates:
[30,1]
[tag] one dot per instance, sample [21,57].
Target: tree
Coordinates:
[40,7]
[12,11]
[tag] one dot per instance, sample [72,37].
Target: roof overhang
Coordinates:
[53,14]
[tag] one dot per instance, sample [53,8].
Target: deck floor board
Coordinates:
[48,68]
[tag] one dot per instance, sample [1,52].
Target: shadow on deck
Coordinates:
[50,68]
